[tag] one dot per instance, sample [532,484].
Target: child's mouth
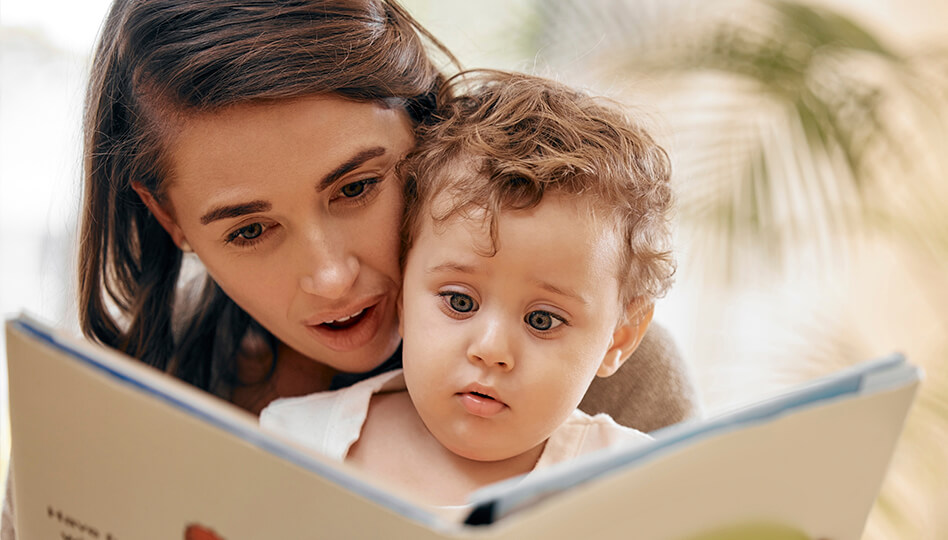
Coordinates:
[478,403]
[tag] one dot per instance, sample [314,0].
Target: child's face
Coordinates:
[498,351]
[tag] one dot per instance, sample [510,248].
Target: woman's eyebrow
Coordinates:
[235,210]
[351,163]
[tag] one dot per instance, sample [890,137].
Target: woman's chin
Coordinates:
[361,359]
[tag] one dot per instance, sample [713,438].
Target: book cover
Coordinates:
[105,447]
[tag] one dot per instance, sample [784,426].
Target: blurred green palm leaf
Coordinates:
[802,130]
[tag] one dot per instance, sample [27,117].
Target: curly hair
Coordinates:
[499,140]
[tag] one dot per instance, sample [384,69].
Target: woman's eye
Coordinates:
[246,234]
[357,188]
[460,302]
[357,193]
[543,320]
[353,190]
[250,231]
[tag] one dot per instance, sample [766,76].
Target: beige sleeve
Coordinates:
[653,389]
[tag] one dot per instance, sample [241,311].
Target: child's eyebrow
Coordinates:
[568,293]
[451,267]
[545,285]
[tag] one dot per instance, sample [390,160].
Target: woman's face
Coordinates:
[294,209]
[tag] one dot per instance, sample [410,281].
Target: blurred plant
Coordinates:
[802,128]
[797,136]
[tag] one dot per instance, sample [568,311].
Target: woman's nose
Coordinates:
[492,346]
[329,269]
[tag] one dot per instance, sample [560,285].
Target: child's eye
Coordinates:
[459,302]
[543,320]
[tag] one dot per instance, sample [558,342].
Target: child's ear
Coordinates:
[627,336]
[164,217]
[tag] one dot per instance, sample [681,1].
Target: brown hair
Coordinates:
[157,59]
[499,141]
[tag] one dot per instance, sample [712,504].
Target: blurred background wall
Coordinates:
[808,142]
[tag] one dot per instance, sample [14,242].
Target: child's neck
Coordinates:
[396,446]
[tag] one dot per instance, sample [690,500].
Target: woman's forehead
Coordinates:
[258,141]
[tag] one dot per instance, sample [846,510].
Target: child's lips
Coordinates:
[481,401]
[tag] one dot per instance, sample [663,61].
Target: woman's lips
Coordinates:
[351,332]
[481,404]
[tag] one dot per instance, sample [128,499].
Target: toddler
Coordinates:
[536,241]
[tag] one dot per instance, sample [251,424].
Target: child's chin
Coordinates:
[482,454]
[473,454]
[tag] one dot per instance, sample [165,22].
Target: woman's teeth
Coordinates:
[344,319]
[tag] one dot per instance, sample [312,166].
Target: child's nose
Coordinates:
[492,347]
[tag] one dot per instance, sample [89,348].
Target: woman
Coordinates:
[206,113]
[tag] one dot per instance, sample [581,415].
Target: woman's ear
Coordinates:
[163,216]
[628,335]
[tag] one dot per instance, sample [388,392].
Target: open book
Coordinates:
[104,447]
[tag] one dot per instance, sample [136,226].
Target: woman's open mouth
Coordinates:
[346,322]
[353,331]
